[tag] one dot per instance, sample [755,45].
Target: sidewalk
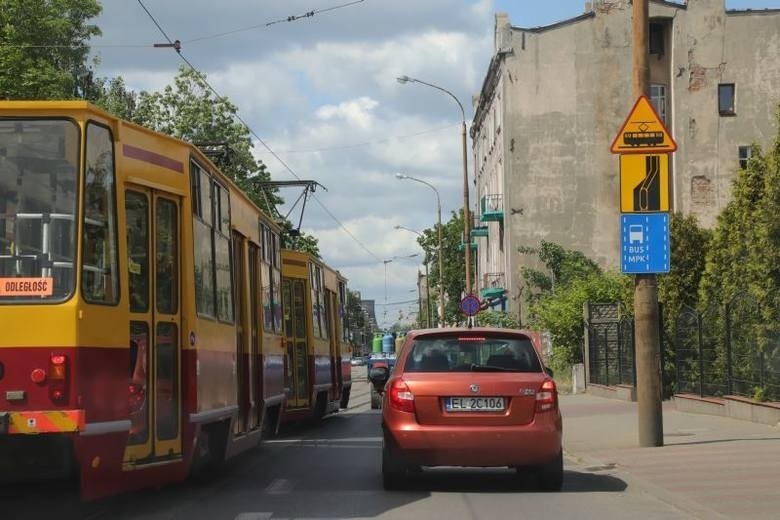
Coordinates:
[710,467]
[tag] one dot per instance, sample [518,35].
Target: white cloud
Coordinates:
[323,94]
[356,113]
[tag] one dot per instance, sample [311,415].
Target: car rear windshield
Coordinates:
[472,354]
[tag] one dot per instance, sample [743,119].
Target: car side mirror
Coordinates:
[549,371]
[378,377]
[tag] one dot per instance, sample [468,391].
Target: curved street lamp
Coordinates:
[441,249]
[389,260]
[466,212]
[427,278]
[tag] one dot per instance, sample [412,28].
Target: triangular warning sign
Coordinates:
[643,131]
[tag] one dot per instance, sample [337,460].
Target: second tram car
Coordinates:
[318,374]
[141,306]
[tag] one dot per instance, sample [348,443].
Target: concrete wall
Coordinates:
[564,92]
[712,47]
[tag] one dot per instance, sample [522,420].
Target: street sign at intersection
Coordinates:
[644,243]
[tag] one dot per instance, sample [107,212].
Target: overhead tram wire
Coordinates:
[292,18]
[251,131]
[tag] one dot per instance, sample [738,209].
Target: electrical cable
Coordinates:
[265,145]
[292,18]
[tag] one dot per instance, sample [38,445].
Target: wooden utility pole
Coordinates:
[646,319]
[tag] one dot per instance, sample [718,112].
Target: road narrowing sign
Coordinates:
[643,132]
[644,183]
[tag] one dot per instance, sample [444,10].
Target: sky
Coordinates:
[321,92]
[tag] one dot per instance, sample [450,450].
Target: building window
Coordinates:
[726,99]
[744,156]
[656,43]
[658,99]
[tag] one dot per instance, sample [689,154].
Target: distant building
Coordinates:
[554,98]
[364,335]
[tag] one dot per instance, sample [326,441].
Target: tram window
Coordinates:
[204,269]
[197,206]
[224,285]
[137,215]
[167,381]
[205,197]
[139,382]
[277,300]
[38,179]
[224,211]
[100,283]
[167,261]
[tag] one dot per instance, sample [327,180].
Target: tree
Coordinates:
[560,311]
[43,48]
[563,266]
[298,240]
[452,258]
[556,294]
[742,273]
[678,289]
[500,319]
[112,95]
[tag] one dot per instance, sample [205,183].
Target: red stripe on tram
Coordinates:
[152,158]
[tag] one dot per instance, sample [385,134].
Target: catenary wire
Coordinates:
[260,140]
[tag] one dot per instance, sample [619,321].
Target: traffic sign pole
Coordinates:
[646,318]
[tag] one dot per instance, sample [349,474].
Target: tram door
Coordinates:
[332,314]
[153,265]
[297,375]
[255,297]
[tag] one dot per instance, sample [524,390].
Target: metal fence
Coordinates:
[727,350]
[610,345]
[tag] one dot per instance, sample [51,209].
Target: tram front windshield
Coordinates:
[38,197]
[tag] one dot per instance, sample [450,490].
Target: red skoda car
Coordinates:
[470,397]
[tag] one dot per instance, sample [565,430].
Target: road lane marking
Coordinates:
[280,486]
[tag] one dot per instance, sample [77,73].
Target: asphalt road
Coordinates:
[332,471]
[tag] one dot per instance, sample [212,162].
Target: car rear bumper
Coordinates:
[531,444]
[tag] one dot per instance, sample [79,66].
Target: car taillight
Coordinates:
[58,378]
[547,397]
[401,398]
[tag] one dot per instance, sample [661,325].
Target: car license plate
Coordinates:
[474,404]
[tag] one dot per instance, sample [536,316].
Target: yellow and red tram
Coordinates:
[140,303]
[318,375]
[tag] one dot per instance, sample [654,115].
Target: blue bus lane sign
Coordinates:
[644,243]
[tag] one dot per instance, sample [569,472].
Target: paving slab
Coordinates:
[709,466]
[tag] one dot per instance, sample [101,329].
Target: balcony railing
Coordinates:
[478,228]
[493,284]
[492,208]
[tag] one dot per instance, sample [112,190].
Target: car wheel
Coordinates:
[376,400]
[551,474]
[393,469]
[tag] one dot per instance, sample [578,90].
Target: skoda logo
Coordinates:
[474,388]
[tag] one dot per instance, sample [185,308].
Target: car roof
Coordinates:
[449,331]
[531,335]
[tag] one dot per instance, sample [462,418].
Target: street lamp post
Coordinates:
[441,249]
[466,212]
[427,280]
[413,255]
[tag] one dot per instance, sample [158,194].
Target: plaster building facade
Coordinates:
[555,97]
